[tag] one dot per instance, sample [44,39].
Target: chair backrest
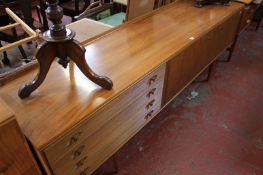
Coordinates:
[95,7]
[138,7]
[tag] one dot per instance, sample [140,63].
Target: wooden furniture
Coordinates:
[18,22]
[32,36]
[82,35]
[74,125]
[74,7]
[16,157]
[59,43]
[25,6]
[249,10]
[135,8]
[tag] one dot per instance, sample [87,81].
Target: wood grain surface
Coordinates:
[126,55]
[15,156]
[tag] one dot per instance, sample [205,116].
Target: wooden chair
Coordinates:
[74,7]
[32,36]
[24,8]
[11,35]
[135,8]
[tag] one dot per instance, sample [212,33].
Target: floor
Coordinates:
[213,128]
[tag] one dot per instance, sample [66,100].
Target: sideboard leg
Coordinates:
[208,75]
[115,159]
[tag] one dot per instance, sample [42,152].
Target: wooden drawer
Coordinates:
[100,146]
[147,89]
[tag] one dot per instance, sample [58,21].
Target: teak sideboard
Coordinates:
[73,125]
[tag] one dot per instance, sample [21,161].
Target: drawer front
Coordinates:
[106,141]
[147,89]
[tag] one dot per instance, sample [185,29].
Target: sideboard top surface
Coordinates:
[125,54]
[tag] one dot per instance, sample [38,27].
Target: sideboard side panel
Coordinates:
[15,155]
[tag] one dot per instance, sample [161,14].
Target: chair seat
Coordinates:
[114,20]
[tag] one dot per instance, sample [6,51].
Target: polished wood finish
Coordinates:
[188,65]
[98,138]
[15,156]
[86,97]
[69,111]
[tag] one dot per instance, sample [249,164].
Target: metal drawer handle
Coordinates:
[149,115]
[152,80]
[84,172]
[78,152]
[151,92]
[73,139]
[150,104]
[80,163]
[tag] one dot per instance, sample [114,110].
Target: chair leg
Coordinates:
[230,50]
[38,14]
[5,60]
[22,51]
[43,13]
[208,75]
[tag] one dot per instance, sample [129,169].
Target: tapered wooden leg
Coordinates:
[23,53]
[208,75]
[115,159]
[45,55]
[38,14]
[230,50]
[76,52]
